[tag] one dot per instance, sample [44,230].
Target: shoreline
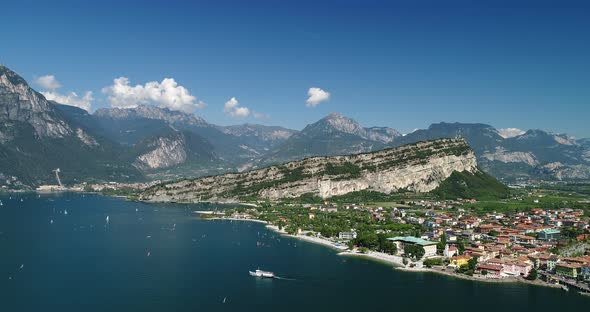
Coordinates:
[396,261]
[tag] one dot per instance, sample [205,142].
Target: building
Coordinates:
[585,272]
[347,235]
[552,263]
[450,251]
[549,234]
[567,269]
[401,242]
[488,268]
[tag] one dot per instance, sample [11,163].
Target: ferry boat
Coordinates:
[260,273]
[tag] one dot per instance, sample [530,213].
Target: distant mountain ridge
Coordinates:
[536,154]
[148,142]
[334,134]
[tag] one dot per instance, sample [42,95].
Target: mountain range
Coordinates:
[147,142]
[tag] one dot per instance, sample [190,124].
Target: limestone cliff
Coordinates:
[419,167]
[166,152]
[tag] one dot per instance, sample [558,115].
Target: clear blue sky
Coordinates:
[403,64]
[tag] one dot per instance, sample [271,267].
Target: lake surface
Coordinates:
[163,258]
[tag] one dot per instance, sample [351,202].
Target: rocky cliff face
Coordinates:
[21,104]
[504,156]
[419,167]
[38,136]
[166,152]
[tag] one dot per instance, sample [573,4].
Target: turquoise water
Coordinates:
[163,258]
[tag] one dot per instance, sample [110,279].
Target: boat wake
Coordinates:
[284,278]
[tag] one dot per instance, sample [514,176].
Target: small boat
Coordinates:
[264,274]
[565,288]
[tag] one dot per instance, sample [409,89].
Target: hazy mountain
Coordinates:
[235,144]
[333,135]
[535,154]
[148,142]
[258,137]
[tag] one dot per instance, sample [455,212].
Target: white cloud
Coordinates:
[233,109]
[51,84]
[261,116]
[48,82]
[510,132]
[71,98]
[164,94]
[316,96]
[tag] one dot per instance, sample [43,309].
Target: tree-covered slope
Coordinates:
[471,185]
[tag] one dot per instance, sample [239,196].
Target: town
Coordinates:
[545,246]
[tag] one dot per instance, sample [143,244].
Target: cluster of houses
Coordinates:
[504,244]
[511,245]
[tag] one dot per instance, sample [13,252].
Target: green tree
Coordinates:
[432,262]
[461,247]
[367,239]
[440,247]
[386,245]
[414,251]
[472,263]
[281,224]
[291,229]
[533,275]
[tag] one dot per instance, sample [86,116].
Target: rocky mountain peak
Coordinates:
[20,103]
[341,123]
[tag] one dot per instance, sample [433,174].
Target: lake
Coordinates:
[58,252]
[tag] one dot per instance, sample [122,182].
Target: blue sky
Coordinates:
[403,64]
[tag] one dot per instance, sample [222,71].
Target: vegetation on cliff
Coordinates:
[419,167]
[478,185]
